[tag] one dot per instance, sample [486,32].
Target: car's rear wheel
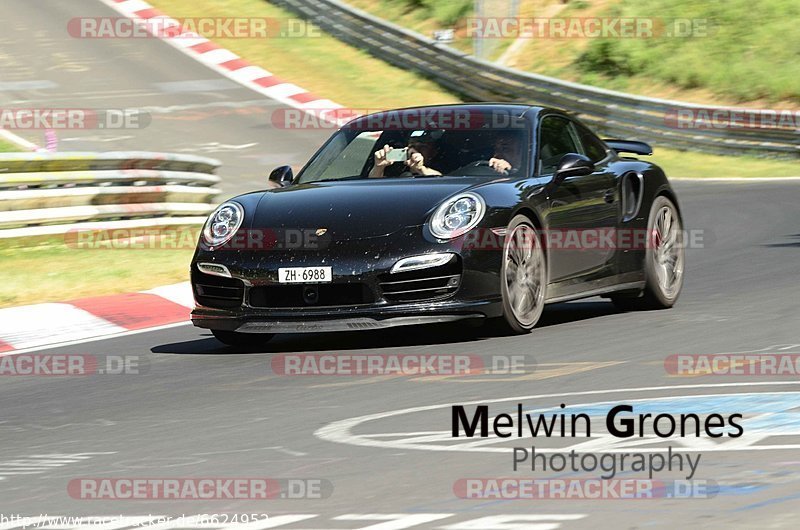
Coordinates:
[523,277]
[664,261]
[242,340]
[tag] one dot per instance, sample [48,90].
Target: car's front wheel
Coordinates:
[247,341]
[523,276]
[664,261]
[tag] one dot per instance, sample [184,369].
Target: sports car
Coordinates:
[475,213]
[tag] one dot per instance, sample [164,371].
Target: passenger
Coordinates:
[422,150]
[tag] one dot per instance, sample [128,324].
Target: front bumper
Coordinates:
[363,295]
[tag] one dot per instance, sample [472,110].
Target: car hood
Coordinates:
[357,209]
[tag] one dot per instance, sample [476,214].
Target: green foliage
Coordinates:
[6,147]
[445,13]
[606,58]
[738,49]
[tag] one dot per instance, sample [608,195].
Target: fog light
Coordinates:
[214,269]
[422,262]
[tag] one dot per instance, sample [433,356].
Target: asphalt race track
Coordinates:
[199,410]
[194,110]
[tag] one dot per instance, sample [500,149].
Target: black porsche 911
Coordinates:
[437,214]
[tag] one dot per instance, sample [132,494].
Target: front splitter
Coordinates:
[348,324]
[344,324]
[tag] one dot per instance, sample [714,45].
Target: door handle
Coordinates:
[608,196]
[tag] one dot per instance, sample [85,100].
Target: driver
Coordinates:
[422,149]
[507,153]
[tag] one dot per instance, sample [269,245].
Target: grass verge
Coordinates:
[688,57]
[722,47]
[55,268]
[687,164]
[8,147]
[49,269]
[317,62]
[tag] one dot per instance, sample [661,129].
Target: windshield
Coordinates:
[408,153]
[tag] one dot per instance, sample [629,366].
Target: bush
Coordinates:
[749,53]
[605,58]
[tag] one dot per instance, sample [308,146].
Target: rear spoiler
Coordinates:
[629,146]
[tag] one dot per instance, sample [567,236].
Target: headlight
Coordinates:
[222,224]
[457,215]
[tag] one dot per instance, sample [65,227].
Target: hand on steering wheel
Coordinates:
[497,164]
[500,165]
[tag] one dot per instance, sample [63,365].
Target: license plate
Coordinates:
[305,275]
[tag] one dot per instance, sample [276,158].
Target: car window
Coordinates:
[592,146]
[342,158]
[466,152]
[556,139]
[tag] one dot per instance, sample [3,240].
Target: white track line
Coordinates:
[94,339]
[18,140]
[245,74]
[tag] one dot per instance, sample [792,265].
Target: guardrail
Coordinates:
[615,114]
[54,193]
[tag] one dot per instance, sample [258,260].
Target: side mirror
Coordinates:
[283,176]
[573,165]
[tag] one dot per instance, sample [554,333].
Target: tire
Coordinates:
[523,278]
[247,341]
[664,261]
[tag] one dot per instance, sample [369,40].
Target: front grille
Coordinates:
[421,285]
[327,294]
[217,292]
